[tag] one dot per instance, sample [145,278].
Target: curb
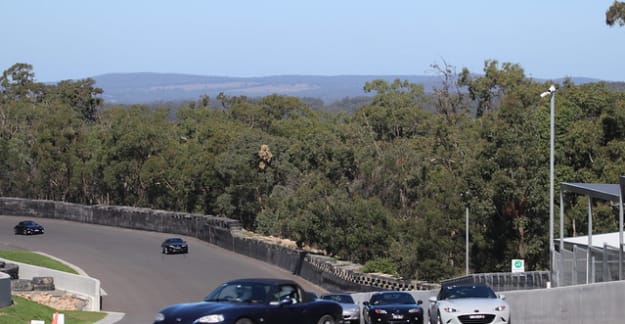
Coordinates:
[111,318]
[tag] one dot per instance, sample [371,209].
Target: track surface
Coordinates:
[137,278]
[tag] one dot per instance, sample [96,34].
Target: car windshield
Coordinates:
[454,292]
[392,298]
[243,292]
[29,223]
[175,240]
[343,299]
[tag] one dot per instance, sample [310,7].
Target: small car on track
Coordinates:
[392,307]
[351,310]
[468,303]
[254,301]
[28,227]
[174,245]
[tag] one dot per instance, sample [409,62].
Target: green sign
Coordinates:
[518,265]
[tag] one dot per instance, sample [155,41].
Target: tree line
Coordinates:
[386,185]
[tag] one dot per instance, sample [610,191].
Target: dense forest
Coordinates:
[383,184]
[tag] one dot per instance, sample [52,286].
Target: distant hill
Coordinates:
[137,88]
[131,88]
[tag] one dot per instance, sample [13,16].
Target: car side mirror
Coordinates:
[419,302]
[432,299]
[502,297]
[366,303]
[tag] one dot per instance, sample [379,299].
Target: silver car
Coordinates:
[468,303]
[351,311]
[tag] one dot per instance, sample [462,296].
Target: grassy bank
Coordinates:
[24,310]
[35,259]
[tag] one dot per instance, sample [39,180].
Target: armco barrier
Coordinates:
[81,285]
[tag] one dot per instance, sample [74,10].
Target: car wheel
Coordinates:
[244,321]
[164,251]
[440,320]
[326,319]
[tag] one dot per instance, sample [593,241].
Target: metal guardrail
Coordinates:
[505,281]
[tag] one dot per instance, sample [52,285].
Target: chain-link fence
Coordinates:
[575,265]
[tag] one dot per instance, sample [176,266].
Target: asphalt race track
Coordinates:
[137,278]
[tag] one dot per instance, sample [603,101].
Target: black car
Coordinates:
[392,307]
[28,227]
[254,301]
[174,245]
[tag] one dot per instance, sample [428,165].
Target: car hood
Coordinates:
[349,306]
[392,307]
[473,305]
[191,311]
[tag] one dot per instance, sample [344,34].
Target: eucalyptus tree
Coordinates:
[18,83]
[615,14]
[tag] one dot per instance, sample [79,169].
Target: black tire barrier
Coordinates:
[11,269]
[43,283]
[22,285]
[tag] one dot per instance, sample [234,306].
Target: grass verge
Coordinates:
[35,259]
[24,310]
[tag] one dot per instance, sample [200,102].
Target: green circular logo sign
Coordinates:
[518,264]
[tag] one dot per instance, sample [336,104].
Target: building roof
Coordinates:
[598,240]
[605,191]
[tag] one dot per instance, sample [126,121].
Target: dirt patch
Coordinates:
[59,300]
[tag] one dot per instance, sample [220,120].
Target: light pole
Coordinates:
[466,266]
[551,92]
[467,201]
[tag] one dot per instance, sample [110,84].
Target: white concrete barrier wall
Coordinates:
[82,285]
[600,303]
[5,290]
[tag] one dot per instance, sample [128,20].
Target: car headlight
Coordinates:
[414,310]
[500,308]
[213,318]
[449,309]
[349,311]
[379,311]
[159,317]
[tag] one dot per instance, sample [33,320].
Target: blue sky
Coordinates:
[65,39]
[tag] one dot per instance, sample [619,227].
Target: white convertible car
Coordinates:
[468,303]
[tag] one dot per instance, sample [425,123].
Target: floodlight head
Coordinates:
[552,89]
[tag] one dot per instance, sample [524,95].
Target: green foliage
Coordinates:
[386,180]
[380,265]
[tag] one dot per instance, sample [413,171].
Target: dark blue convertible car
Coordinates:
[254,301]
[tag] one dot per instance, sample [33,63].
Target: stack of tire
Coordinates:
[10,268]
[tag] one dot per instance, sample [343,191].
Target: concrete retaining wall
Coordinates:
[221,231]
[82,285]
